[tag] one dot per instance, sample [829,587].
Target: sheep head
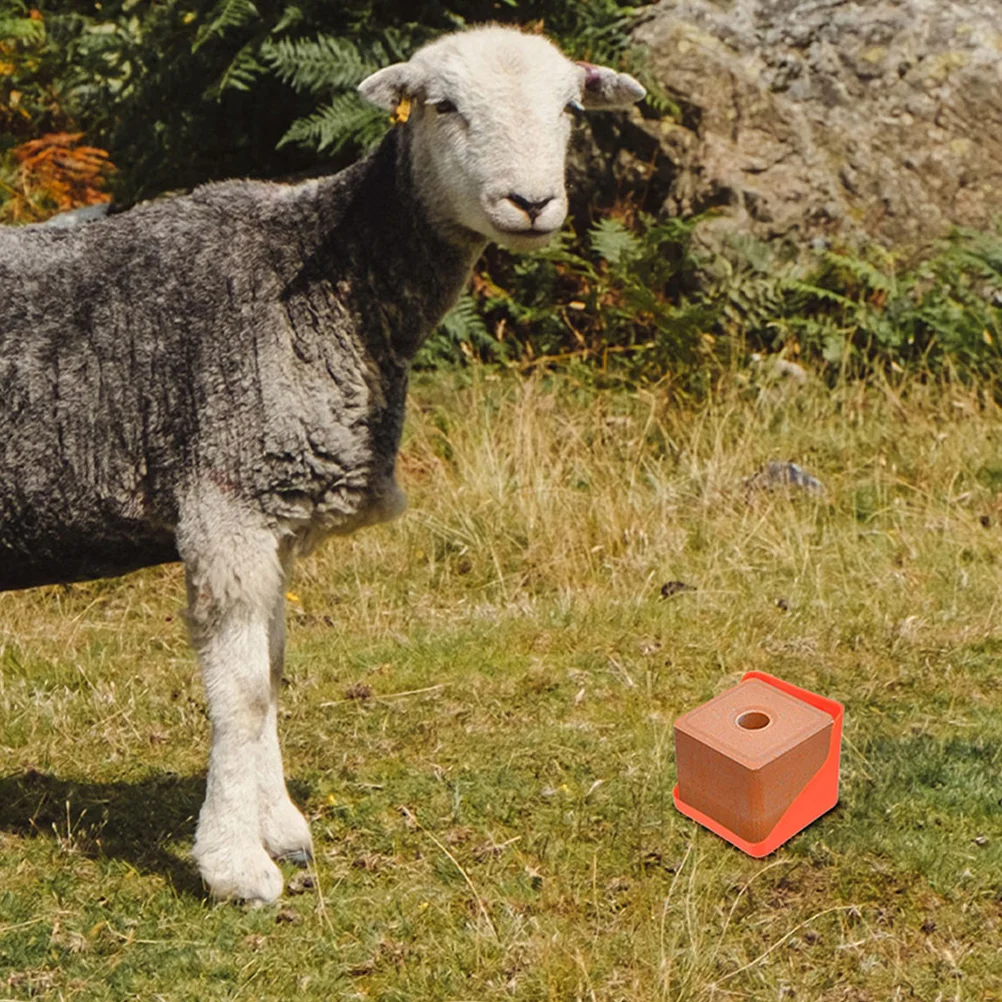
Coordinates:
[490,113]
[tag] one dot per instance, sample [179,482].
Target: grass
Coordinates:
[479,715]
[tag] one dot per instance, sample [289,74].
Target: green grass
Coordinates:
[479,715]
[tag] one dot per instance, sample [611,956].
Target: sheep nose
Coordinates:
[531,209]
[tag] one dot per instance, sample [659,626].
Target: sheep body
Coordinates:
[269,358]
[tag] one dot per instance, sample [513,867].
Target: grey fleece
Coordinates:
[250,337]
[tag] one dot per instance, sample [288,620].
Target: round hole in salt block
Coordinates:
[754,720]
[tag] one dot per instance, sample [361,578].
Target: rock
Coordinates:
[74,217]
[780,368]
[807,119]
[779,474]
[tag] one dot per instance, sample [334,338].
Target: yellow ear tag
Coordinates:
[402,111]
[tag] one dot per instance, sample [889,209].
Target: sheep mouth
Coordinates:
[529,232]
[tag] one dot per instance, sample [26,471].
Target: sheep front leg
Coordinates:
[284,830]
[234,580]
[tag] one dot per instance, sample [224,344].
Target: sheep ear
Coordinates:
[603,88]
[387,87]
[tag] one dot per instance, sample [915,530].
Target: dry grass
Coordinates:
[479,720]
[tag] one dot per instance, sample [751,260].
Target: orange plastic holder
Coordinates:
[818,797]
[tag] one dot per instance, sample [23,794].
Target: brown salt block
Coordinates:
[745,756]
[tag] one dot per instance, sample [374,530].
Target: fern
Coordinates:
[326,64]
[657,98]
[463,322]
[868,277]
[462,335]
[226,16]
[981,252]
[291,16]
[15,28]
[321,64]
[181,91]
[241,73]
[613,242]
[347,119]
[802,293]
[749,302]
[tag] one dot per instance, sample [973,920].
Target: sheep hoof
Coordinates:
[286,834]
[246,874]
[298,857]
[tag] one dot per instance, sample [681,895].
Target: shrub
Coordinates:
[642,304]
[844,310]
[623,298]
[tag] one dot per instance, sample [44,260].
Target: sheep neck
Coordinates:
[389,263]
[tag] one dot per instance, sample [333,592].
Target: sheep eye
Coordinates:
[445,107]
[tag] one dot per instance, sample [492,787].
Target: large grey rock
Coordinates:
[809,118]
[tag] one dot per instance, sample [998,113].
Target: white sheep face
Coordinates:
[491,112]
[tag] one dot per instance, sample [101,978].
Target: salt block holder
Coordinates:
[759,762]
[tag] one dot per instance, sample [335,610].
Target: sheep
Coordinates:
[219,378]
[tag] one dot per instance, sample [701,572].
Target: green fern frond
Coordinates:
[320,64]
[291,16]
[657,97]
[867,275]
[463,323]
[810,291]
[241,73]
[612,241]
[461,334]
[346,119]
[226,16]
[21,29]
[983,248]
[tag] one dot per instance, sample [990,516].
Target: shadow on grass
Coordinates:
[136,822]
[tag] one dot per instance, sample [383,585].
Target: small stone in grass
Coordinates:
[288,917]
[671,588]
[779,474]
[980,840]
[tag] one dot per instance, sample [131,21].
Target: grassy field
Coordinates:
[479,715]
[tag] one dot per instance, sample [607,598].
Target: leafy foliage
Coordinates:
[226,16]
[44,166]
[327,64]
[613,242]
[463,334]
[345,121]
[620,294]
[856,311]
[26,105]
[184,91]
[55,173]
[172,89]
[644,304]
[335,66]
